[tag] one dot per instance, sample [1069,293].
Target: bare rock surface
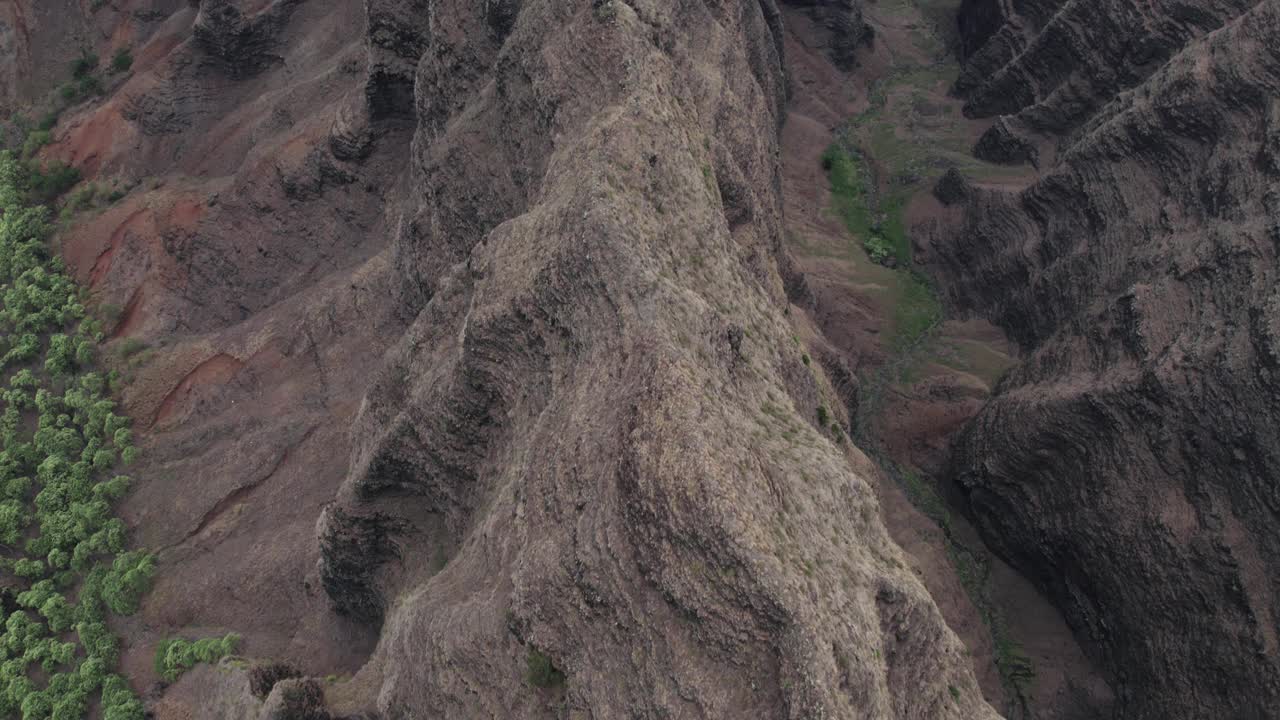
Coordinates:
[1129,463]
[38,38]
[596,418]
[458,340]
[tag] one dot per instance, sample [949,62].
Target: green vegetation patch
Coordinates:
[542,672]
[122,60]
[175,656]
[849,189]
[916,313]
[916,310]
[64,567]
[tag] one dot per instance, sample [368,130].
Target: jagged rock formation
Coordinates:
[1130,462]
[1054,63]
[843,20]
[952,188]
[1004,145]
[591,445]
[243,42]
[594,419]
[397,37]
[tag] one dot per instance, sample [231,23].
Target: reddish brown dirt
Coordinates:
[102,262]
[259,316]
[217,370]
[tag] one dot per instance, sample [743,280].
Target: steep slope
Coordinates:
[911,385]
[1129,462]
[547,369]
[597,421]
[246,291]
[37,40]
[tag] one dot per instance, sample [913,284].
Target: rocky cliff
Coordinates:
[1129,463]
[590,447]
[463,362]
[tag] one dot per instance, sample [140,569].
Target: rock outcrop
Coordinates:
[471,369]
[397,36]
[591,442]
[1054,63]
[1004,145]
[844,22]
[241,40]
[1129,463]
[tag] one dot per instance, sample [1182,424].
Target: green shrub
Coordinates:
[541,672]
[36,139]
[130,346]
[122,60]
[48,183]
[81,199]
[878,248]
[83,66]
[89,85]
[175,656]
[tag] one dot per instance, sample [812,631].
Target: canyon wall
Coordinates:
[595,443]
[1129,463]
[459,346]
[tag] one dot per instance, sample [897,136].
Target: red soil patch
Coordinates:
[89,142]
[123,34]
[186,212]
[217,370]
[103,262]
[159,47]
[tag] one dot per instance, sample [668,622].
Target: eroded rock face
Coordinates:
[1054,63]
[843,19]
[595,419]
[242,39]
[38,40]
[397,37]
[1004,145]
[1130,462]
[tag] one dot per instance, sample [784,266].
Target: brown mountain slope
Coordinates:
[591,439]
[1130,462]
[598,421]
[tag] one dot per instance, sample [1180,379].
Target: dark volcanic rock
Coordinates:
[1053,63]
[264,676]
[1129,463]
[300,699]
[952,188]
[243,43]
[843,19]
[398,32]
[1001,144]
[354,548]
